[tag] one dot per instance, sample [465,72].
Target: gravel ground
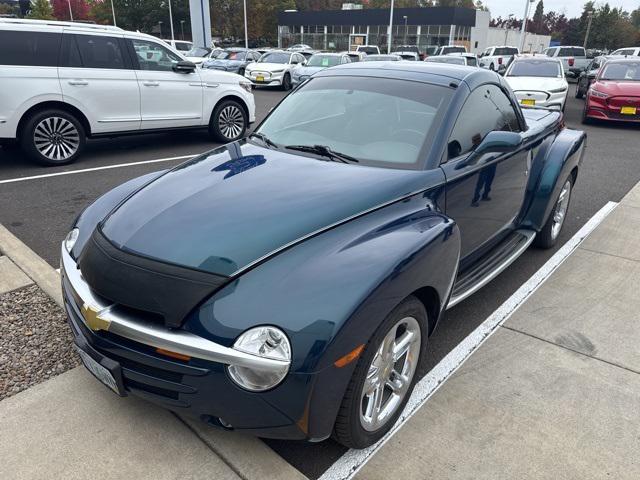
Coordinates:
[35,341]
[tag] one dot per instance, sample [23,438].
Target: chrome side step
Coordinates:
[490,266]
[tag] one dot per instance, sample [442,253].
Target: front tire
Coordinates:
[229,121]
[286,82]
[579,93]
[384,377]
[53,137]
[549,234]
[492,67]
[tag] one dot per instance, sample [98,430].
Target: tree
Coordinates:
[6,9]
[537,22]
[41,10]
[80,9]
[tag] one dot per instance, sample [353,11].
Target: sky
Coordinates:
[571,8]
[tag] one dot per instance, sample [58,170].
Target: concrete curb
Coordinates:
[30,263]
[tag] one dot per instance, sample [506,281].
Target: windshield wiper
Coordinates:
[264,139]
[324,151]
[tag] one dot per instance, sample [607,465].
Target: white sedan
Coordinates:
[538,81]
[274,68]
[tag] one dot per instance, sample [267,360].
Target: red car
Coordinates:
[615,93]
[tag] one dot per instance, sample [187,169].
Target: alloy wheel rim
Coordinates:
[231,121]
[390,374]
[561,209]
[56,138]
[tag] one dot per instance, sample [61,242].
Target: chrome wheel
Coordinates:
[561,209]
[390,374]
[56,138]
[231,121]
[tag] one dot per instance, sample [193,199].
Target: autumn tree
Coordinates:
[79,8]
[41,10]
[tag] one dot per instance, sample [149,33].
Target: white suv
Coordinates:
[63,82]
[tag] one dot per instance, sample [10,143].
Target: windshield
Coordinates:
[505,51]
[380,122]
[323,61]
[275,57]
[445,59]
[535,68]
[629,72]
[227,55]
[198,52]
[571,52]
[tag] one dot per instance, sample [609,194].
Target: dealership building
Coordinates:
[428,26]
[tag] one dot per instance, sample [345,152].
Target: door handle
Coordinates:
[151,84]
[78,82]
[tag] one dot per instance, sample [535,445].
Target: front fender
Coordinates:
[330,293]
[551,168]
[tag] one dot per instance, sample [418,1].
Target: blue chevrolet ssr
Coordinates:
[286,284]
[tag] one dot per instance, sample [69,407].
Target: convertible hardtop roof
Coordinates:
[428,72]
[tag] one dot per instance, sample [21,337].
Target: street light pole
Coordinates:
[586,36]
[246,36]
[390,28]
[160,27]
[405,29]
[523,32]
[171,21]
[70,12]
[113,11]
[182,28]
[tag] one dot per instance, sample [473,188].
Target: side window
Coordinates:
[34,49]
[472,62]
[101,52]
[153,56]
[551,52]
[471,128]
[69,54]
[300,58]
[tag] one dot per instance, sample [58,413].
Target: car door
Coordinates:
[484,194]
[167,98]
[96,76]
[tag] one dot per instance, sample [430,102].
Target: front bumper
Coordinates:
[269,79]
[199,387]
[543,99]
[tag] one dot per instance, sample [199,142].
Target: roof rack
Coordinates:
[55,23]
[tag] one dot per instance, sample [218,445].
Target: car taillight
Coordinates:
[571,62]
[499,60]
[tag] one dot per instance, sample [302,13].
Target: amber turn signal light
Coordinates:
[349,357]
[175,355]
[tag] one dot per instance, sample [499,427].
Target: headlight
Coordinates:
[246,86]
[558,90]
[278,71]
[71,239]
[597,94]
[267,342]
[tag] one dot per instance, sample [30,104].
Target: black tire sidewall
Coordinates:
[348,430]
[286,82]
[544,238]
[214,128]
[26,137]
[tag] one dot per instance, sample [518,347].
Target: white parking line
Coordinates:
[94,169]
[353,460]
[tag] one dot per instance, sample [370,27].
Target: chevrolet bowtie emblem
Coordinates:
[93,319]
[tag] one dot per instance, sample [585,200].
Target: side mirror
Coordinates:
[184,67]
[498,142]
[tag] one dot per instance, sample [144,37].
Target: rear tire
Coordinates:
[359,423]
[53,137]
[548,236]
[229,121]
[579,93]
[492,67]
[286,82]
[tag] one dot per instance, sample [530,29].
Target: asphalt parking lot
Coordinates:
[39,211]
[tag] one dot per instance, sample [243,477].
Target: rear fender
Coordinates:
[551,166]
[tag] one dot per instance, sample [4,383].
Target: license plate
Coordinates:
[628,110]
[259,78]
[528,101]
[98,370]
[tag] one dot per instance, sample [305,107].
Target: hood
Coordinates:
[219,76]
[308,70]
[268,67]
[224,210]
[624,89]
[539,84]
